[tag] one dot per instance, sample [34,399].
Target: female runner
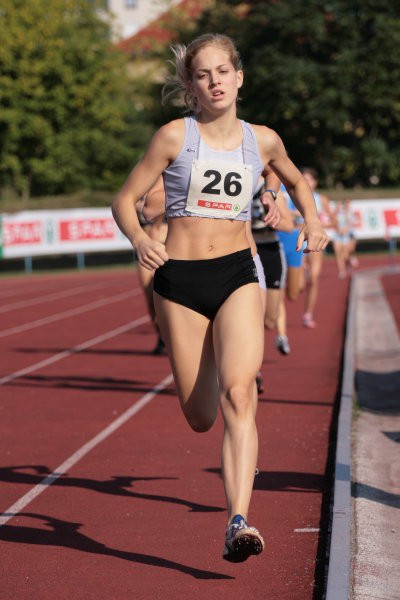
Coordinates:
[206,291]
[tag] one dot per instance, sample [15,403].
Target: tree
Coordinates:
[325,76]
[66,107]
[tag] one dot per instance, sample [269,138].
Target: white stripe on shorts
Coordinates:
[260,272]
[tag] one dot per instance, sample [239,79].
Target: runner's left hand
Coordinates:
[314,235]
[272,211]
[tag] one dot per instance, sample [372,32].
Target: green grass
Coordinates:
[362,193]
[82,199]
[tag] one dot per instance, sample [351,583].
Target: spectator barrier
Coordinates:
[79,231]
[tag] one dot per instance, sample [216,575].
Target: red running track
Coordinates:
[139,512]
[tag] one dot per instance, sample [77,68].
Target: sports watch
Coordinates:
[273,194]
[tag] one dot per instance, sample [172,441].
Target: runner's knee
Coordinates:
[292,295]
[270,323]
[237,398]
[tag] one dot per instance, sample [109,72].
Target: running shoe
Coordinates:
[282,344]
[241,541]
[260,383]
[308,321]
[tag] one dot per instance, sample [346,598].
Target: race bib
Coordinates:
[219,189]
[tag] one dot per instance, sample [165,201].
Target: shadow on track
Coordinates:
[67,535]
[285,401]
[99,352]
[116,486]
[87,383]
[284,481]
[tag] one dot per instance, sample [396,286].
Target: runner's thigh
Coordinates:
[188,338]
[239,337]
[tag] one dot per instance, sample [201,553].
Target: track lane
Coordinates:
[139,515]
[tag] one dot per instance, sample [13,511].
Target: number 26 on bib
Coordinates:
[219,189]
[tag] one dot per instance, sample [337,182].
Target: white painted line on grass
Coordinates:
[18,506]
[68,313]
[60,355]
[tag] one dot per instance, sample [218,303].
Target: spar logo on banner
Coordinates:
[22,233]
[44,232]
[357,219]
[392,220]
[73,230]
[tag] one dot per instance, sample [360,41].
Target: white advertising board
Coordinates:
[50,232]
[38,233]
[376,219]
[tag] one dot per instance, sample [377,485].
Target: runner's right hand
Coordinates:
[150,253]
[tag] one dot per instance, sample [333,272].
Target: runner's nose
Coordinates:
[214,79]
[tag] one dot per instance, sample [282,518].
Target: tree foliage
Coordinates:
[325,74]
[66,111]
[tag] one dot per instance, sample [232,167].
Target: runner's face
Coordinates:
[215,81]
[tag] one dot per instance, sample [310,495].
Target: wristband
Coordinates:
[273,194]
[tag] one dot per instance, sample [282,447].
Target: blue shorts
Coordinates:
[289,243]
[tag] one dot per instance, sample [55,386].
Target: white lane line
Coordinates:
[50,297]
[68,313]
[56,357]
[44,284]
[79,454]
[307,530]
[18,287]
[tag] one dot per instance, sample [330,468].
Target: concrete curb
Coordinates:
[339,553]
[338,580]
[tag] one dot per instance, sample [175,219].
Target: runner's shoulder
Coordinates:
[171,133]
[267,138]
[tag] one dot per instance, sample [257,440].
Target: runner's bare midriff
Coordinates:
[198,238]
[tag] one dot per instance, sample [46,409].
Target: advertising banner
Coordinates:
[35,233]
[52,232]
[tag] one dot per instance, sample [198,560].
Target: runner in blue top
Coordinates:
[206,291]
[294,272]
